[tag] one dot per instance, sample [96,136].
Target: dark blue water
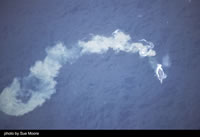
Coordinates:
[108,91]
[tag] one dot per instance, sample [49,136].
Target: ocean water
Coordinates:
[110,90]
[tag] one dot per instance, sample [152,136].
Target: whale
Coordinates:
[160,73]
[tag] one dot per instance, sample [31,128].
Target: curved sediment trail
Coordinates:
[23,95]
